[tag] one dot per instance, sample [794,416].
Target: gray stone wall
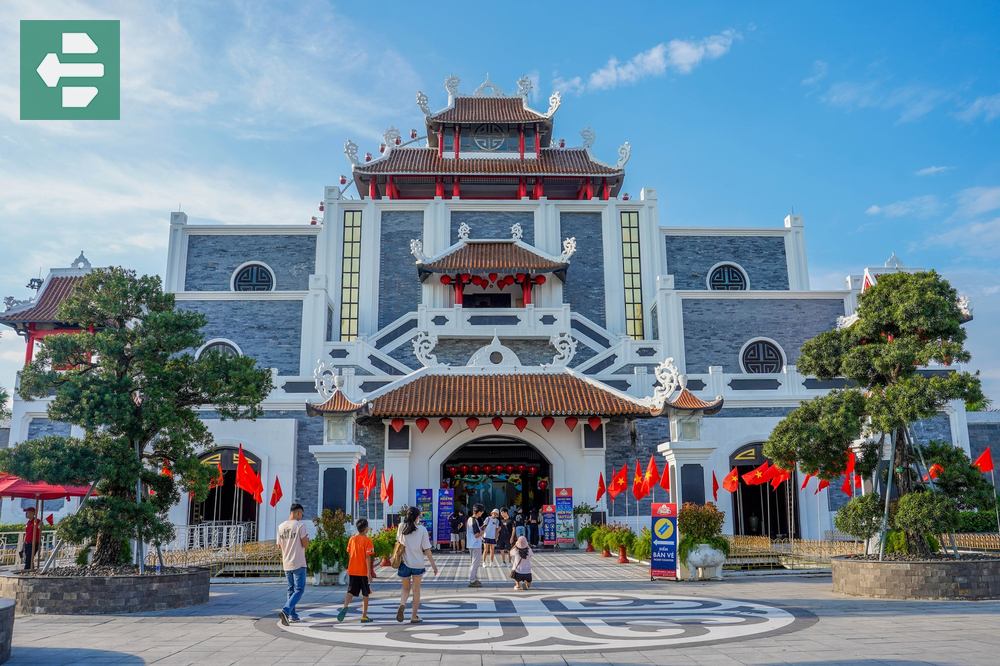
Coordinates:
[371,435]
[942,579]
[269,331]
[621,450]
[493,224]
[584,287]
[937,428]
[982,435]
[212,259]
[751,412]
[689,259]
[715,330]
[398,285]
[39,428]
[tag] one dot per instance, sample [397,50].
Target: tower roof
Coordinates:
[427,161]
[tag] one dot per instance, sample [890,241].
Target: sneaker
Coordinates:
[283,617]
[294,620]
[341,614]
[415,620]
[365,619]
[399,613]
[475,583]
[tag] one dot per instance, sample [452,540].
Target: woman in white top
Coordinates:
[521,555]
[490,538]
[417,544]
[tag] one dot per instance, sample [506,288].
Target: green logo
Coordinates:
[70,70]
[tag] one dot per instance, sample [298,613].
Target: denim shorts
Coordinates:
[405,571]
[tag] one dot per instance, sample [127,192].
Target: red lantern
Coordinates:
[475,469]
[472,422]
[422,424]
[497,422]
[452,470]
[399,140]
[445,279]
[548,422]
[466,277]
[413,134]
[533,469]
[397,424]
[381,148]
[445,423]
[368,157]
[493,277]
[626,196]
[343,179]
[571,422]
[521,423]
[488,468]
[465,469]
[594,422]
[542,485]
[539,279]
[521,468]
[510,469]
[520,278]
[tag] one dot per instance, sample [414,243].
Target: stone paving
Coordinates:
[238,627]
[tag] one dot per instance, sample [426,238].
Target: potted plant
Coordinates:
[642,545]
[702,546]
[326,555]
[384,542]
[582,516]
[620,538]
[586,534]
[598,538]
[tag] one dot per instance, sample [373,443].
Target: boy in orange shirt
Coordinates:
[360,570]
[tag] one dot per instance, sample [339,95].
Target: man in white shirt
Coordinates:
[293,538]
[474,542]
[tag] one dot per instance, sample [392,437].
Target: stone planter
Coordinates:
[6,628]
[330,576]
[930,579]
[104,595]
[703,562]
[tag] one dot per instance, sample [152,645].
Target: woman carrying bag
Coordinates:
[412,545]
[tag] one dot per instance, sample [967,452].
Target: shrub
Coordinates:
[619,536]
[329,548]
[926,513]
[861,517]
[583,509]
[700,521]
[642,545]
[977,521]
[384,542]
[599,537]
[896,543]
[586,533]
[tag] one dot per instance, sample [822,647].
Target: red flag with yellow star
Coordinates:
[618,482]
[732,481]
[759,475]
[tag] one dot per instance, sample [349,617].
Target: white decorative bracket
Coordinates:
[451,85]
[463,231]
[423,345]
[565,350]
[624,153]
[524,86]
[669,380]
[351,151]
[516,232]
[555,99]
[569,249]
[389,137]
[588,137]
[417,250]
[326,379]
[423,103]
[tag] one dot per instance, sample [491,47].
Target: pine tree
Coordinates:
[905,322]
[130,381]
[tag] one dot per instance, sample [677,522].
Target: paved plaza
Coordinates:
[583,609]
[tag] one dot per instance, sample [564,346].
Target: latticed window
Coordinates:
[761,357]
[632,274]
[253,277]
[220,347]
[727,277]
[350,287]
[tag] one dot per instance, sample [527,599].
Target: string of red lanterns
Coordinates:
[520,422]
[491,469]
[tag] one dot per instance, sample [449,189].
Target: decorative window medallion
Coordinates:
[761,357]
[253,277]
[727,277]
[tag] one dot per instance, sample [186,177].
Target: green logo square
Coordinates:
[70,70]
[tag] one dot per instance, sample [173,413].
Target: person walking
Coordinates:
[416,545]
[519,529]
[474,542]
[490,528]
[293,539]
[521,555]
[533,528]
[32,537]
[457,524]
[505,536]
[360,570]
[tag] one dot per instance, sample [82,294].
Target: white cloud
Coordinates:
[678,55]
[933,170]
[974,201]
[910,101]
[978,239]
[987,108]
[819,71]
[924,206]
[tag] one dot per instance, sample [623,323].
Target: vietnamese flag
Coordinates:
[370,482]
[246,478]
[652,474]
[933,471]
[779,476]
[732,481]
[50,519]
[845,487]
[360,479]
[218,480]
[639,489]
[759,475]
[823,483]
[715,487]
[618,482]
[275,492]
[258,491]
[389,491]
[166,471]
[383,490]
[852,460]
[601,488]
[665,477]
[984,463]
[805,481]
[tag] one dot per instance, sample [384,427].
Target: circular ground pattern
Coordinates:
[545,622]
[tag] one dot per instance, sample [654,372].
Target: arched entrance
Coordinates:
[225,504]
[761,510]
[499,471]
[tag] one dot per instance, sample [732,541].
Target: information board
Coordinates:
[663,559]
[549,523]
[564,515]
[425,502]
[446,505]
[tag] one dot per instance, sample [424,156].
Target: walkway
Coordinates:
[768,620]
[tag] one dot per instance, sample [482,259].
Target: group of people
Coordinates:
[483,536]
[503,527]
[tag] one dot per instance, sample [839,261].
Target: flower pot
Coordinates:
[385,562]
[605,552]
[590,546]
[622,555]
[703,562]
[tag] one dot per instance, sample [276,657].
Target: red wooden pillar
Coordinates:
[605,190]
[526,289]
[372,189]
[456,190]
[458,290]
[522,188]
[588,189]
[539,189]
[520,141]
[390,188]
[458,132]
[439,186]
[30,351]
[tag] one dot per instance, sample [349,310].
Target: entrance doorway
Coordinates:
[225,504]
[499,472]
[762,510]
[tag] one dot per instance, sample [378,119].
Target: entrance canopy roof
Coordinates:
[499,256]
[15,486]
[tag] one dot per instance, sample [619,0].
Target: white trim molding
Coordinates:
[213,341]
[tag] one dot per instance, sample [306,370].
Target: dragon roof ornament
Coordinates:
[555,99]
[423,103]
[451,86]
[588,137]
[524,86]
[488,89]
[624,153]
[669,381]
[351,151]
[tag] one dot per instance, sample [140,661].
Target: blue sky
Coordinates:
[879,123]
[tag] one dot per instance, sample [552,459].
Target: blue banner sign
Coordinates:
[425,502]
[564,515]
[663,560]
[549,523]
[446,505]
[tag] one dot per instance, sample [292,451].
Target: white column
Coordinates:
[795,254]
[343,456]
[176,253]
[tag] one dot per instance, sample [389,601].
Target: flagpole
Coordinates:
[996,507]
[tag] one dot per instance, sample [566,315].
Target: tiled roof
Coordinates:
[488,110]
[551,161]
[689,401]
[505,255]
[503,395]
[338,403]
[47,303]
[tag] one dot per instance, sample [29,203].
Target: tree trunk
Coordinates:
[107,550]
[904,481]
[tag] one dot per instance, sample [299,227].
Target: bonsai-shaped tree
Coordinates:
[130,381]
[904,322]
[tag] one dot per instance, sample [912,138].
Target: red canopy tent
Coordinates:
[15,486]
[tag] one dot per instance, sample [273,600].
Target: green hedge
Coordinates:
[977,521]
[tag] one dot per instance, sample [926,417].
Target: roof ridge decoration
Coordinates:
[565,346]
[417,250]
[624,153]
[351,151]
[81,262]
[516,232]
[423,103]
[569,249]
[524,87]
[588,135]
[487,85]
[463,231]
[669,380]
[486,357]
[423,345]
[555,99]
[451,87]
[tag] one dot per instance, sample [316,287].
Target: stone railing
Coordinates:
[530,321]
